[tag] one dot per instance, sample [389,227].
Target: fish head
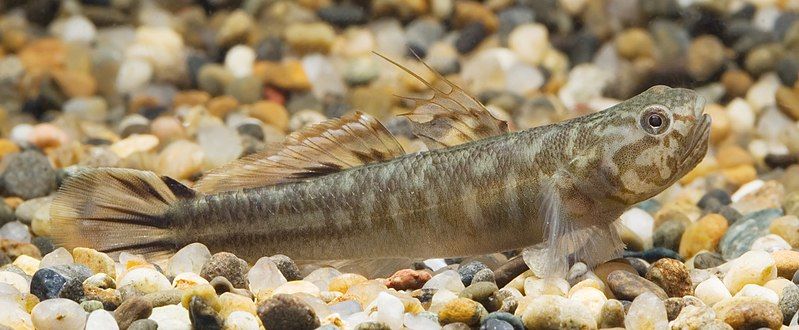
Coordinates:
[652,140]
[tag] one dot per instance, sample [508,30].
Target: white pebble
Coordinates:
[59,256]
[173,317]
[540,286]
[321,277]
[294,287]
[641,223]
[240,320]
[188,279]
[763,93]
[21,134]
[13,316]
[647,312]
[389,310]
[28,264]
[146,280]
[101,320]
[746,189]
[265,275]
[239,61]
[742,117]
[711,291]
[530,42]
[770,243]
[15,231]
[58,314]
[77,29]
[190,258]
[420,322]
[591,298]
[220,144]
[449,280]
[753,290]
[753,267]
[133,74]
[441,298]
[16,280]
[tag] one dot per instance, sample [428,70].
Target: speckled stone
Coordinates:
[227,265]
[285,311]
[627,286]
[62,281]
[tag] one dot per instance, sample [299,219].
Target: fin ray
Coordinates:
[336,144]
[449,109]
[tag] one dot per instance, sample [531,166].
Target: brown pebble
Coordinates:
[626,285]
[135,308]
[787,262]
[407,279]
[220,106]
[672,276]
[749,313]
[270,113]
[736,82]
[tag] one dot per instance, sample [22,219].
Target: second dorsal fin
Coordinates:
[330,146]
[451,116]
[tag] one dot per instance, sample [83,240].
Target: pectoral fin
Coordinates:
[568,238]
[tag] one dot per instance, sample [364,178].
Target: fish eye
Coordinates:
[655,120]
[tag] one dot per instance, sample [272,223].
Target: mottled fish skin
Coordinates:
[476,198]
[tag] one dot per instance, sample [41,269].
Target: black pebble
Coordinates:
[781,161]
[62,281]
[470,37]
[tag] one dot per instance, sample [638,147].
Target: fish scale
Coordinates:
[343,192]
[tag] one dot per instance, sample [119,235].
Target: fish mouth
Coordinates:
[698,144]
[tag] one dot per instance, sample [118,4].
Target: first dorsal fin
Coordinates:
[333,145]
[451,116]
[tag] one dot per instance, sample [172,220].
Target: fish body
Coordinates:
[559,188]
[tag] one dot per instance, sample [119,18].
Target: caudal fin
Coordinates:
[114,210]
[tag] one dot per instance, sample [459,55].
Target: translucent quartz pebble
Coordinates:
[441,298]
[13,316]
[15,280]
[145,280]
[449,280]
[190,258]
[753,267]
[421,321]
[389,310]
[321,277]
[240,320]
[101,320]
[265,275]
[711,291]
[58,314]
[173,317]
[220,143]
[647,312]
[15,231]
[346,308]
[59,256]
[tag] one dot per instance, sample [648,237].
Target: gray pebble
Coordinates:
[789,303]
[28,175]
[511,322]
[143,324]
[483,275]
[668,235]
[227,265]
[287,267]
[130,310]
[285,311]
[468,270]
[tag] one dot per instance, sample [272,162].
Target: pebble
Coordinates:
[749,312]
[264,275]
[287,312]
[202,315]
[612,314]
[132,309]
[694,317]
[27,175]
[646,312]
[704,234]
[754,267]
[58,314]
[789,302]
[554,312]
[668,235]
[171,317]
[627,286]
[287,267]
[101,320]
[62,281]
[97,262]
[672,276]
[227,265]
[742,234]
[145,280]
[408,279]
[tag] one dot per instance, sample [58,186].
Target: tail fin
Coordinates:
[114,210]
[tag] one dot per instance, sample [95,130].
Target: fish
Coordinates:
[344,191]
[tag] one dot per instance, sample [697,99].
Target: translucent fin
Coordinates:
[371,268]
[451,116]
[568,240]
[336,144]
[114,210]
